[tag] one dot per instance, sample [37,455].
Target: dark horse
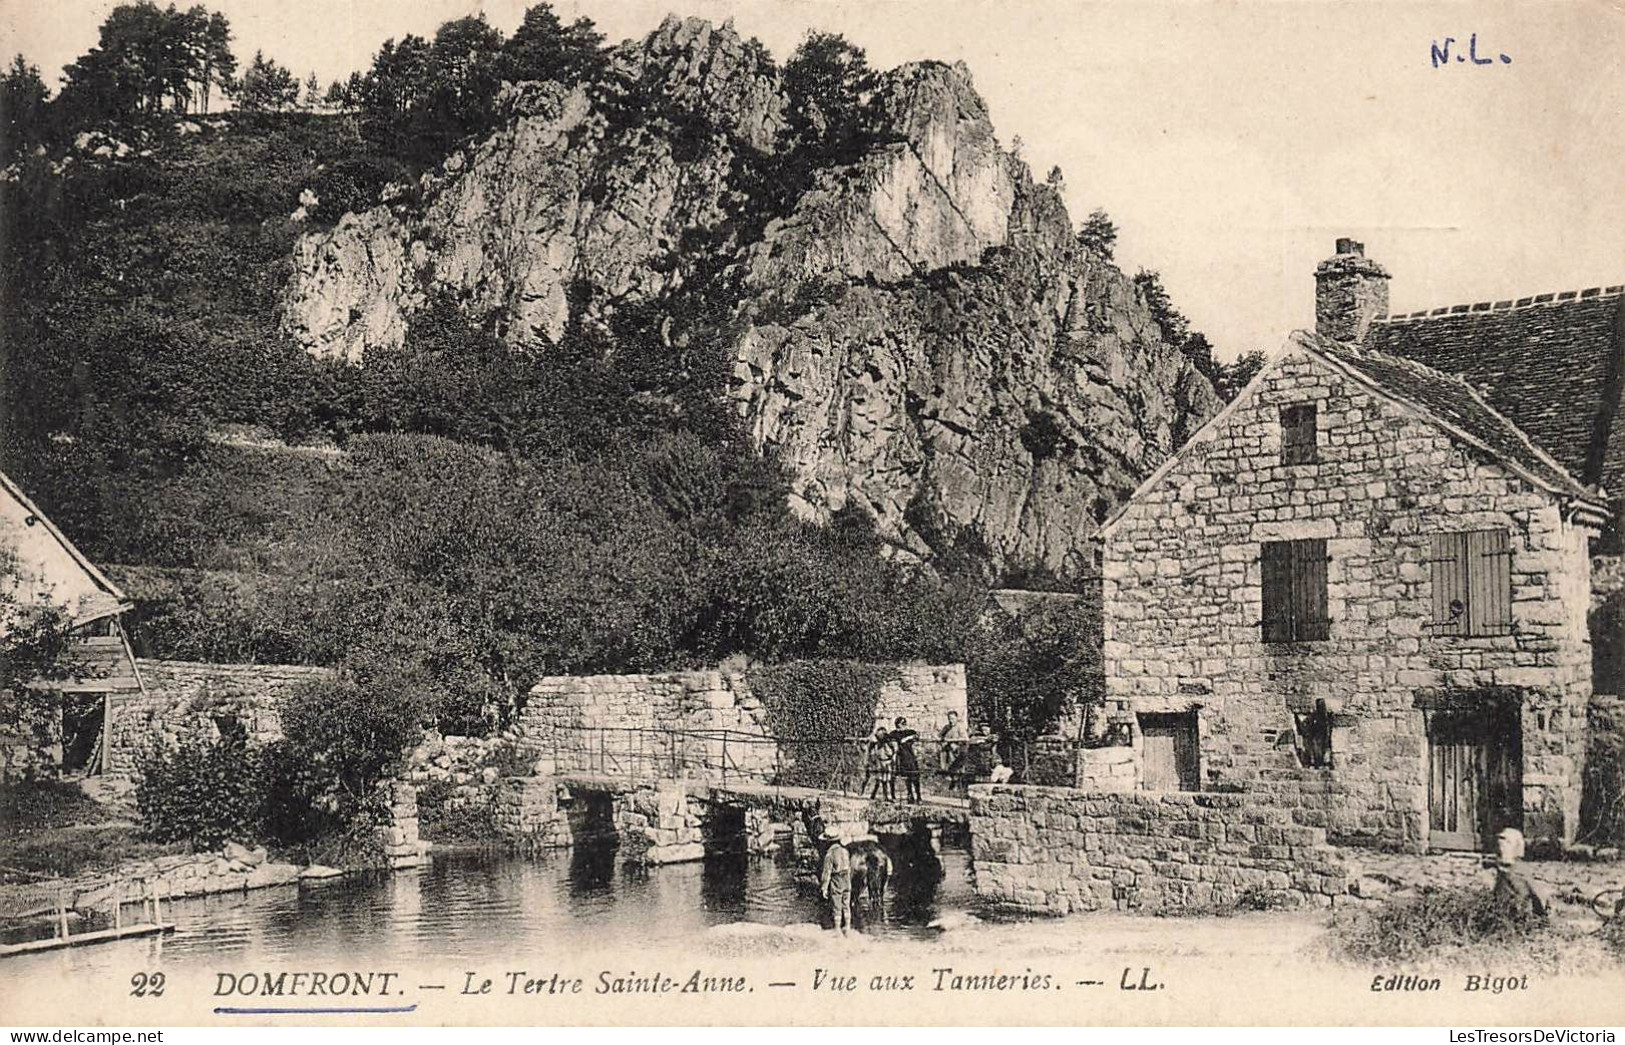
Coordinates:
[871,869]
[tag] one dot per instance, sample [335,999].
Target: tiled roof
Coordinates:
[1554,364]
[1453,401]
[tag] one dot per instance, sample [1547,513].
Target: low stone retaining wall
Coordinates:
[1055,850]
[1391,875]
[235,869]
[462,760]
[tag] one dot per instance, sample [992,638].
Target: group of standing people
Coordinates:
[892,753]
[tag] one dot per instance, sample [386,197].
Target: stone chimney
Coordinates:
[1351,290]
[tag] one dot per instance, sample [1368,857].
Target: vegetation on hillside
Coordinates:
[495,515]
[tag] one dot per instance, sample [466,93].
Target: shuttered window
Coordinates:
[1295,591]
[1298,433]
[1472,583]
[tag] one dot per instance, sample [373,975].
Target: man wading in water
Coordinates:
[835,882]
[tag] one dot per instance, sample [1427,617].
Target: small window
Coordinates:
[1313,737]
[1472,583]
[1295,591]
[230,729]
[1298,434]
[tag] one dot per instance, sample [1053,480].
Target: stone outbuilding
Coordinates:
[44,569]
[1361,589]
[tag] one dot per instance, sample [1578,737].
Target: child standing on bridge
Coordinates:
[877,765]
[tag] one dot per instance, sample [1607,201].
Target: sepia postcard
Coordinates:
[812,512]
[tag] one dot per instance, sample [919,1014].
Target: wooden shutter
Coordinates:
[1278,591]
[1449,564]
[1298,434]
[1489,582]
[1309,591]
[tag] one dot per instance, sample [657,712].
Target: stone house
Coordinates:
[1361,589]
[44,568]
[1553,364]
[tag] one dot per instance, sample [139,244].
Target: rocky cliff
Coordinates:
[914,332]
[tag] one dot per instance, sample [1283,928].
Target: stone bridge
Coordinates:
[677,764]
[673,767]
[662,821]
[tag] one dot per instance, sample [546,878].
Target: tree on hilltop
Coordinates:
[1170,321]
[1098,234]
[827,80]
[544,48]
[1232,378]
[22,110]
[267,87]
[147,59]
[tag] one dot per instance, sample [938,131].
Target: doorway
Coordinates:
[1475,776]
[1169,756]
[83,716]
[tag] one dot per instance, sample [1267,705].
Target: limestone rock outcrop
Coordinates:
[914,331]
[1021,401]
[508,227]
[935,190]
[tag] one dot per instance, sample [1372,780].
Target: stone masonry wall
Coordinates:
[1183,606]
[622,724]
[185,697]
[1059,850]
[924,694]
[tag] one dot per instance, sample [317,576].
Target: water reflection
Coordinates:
[482,907]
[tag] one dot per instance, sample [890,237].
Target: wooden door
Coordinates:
[1169,758]
[1474,778]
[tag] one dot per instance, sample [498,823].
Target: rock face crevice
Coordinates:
[916,333]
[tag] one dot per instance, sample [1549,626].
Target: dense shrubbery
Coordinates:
[204,793]
[345,735]
[316,789]
[445,820]
[1025,674]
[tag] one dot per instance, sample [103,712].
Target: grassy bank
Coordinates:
[1467,927]
[50,829]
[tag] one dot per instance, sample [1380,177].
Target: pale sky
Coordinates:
[1232,141]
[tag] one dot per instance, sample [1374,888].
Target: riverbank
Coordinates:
[65,856]
[52,829]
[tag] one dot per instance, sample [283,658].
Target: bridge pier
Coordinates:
[673,821]
[659,824]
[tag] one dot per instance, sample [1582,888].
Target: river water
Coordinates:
[479,906]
